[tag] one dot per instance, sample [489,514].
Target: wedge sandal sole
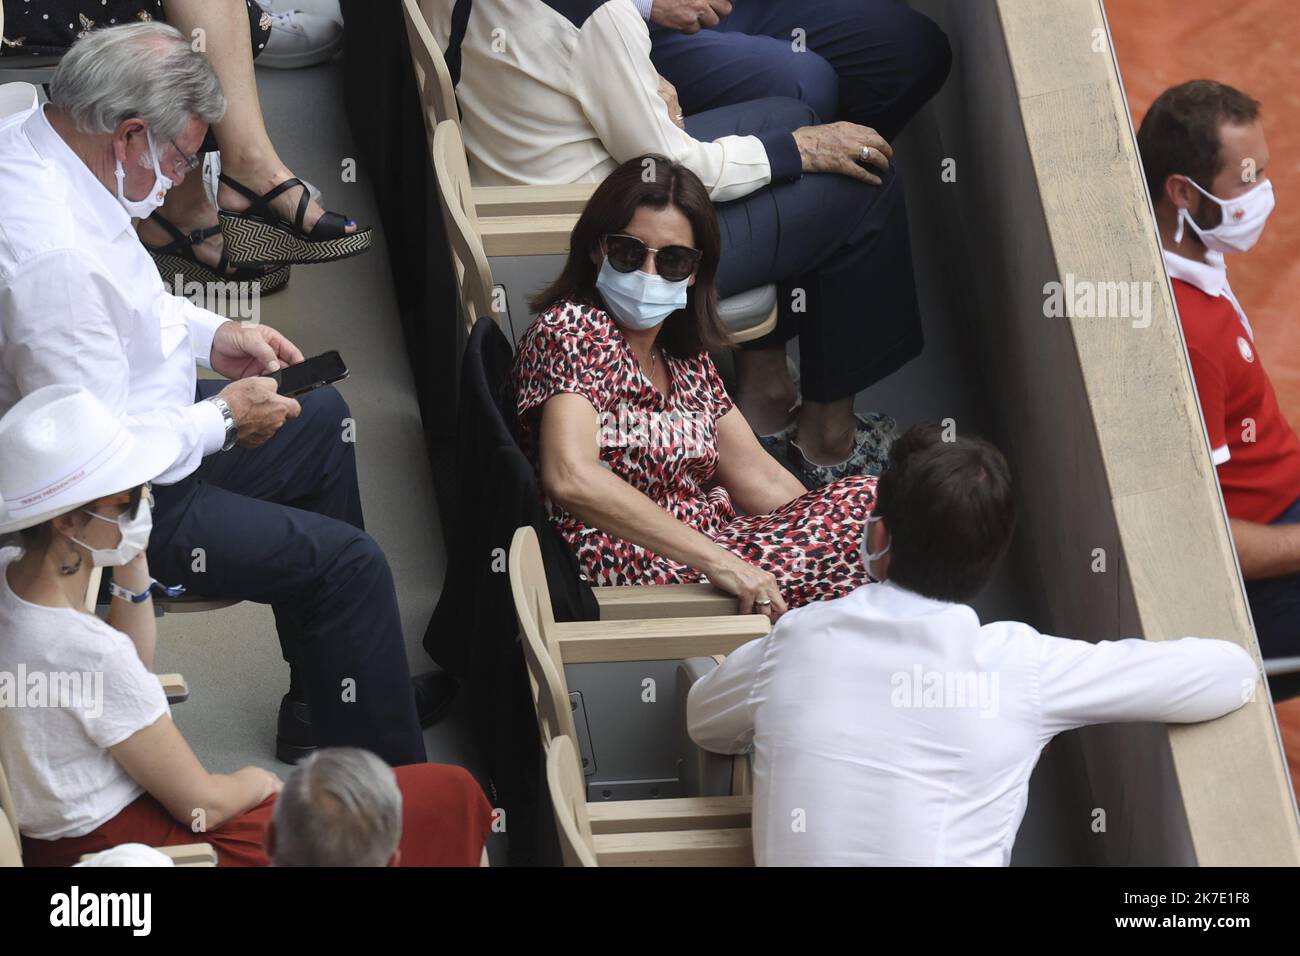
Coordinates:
[170,267]
[250,241]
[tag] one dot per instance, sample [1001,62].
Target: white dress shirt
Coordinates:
[82,303]
[553,93]
[890,729]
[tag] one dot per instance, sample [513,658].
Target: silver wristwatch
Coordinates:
[232,430]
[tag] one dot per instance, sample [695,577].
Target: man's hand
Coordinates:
[688,16]
[240,351]
[669,94]
[258,409]
[837,148]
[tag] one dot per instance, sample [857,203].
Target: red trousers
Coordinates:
[446,820]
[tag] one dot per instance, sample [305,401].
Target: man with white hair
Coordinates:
[342,807]
[237,515]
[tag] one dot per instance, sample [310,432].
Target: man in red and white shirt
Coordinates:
[1206,158]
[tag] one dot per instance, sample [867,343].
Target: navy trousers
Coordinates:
[872,62]
[1275,606]
[282,525]
[839,251]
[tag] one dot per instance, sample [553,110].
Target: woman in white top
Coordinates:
[86,737]
[85,729]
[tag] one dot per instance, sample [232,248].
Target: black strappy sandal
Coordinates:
[179,266]
[258,236]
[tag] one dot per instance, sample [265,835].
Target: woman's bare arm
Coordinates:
[159,759]
[573,476]
[136,621]
[756,481]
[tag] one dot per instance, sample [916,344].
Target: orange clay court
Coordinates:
[1253,45]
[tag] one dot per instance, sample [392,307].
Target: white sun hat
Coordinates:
[60,448]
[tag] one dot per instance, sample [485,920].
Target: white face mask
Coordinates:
[143,208]
[135,538]
[868,556]
[1243,219]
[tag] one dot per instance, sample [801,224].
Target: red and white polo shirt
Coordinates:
[1256,451]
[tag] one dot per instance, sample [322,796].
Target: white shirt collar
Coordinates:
[901,601]
[1211,277]
[50,146]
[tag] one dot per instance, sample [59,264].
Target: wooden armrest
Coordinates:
[191,854]
[186,854]
[733,847]
[600,642]
[664,600]
[673,813]
[175,687]
[546,235]
[492,201]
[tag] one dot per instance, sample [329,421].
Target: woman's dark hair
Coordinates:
[950,512]
[1180,132]
[658,182]
[40,535]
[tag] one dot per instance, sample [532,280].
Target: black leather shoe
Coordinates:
[435,692]
[293,735]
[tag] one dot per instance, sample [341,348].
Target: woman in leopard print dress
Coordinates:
[650,472]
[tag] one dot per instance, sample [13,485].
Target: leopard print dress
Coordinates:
[666,447]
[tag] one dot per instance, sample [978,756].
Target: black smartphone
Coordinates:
[324,369]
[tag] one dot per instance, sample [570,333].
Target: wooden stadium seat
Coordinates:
[438,103]
[17,97]
[11,844]
[470,266]
[582,845]
[544,643]
[522,220]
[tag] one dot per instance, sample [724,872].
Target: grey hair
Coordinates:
[144,70]
[339,807]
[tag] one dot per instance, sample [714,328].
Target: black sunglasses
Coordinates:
[627,254]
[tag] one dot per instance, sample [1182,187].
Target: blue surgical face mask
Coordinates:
[638,299]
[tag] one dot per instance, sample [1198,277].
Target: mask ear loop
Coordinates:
[868,556]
